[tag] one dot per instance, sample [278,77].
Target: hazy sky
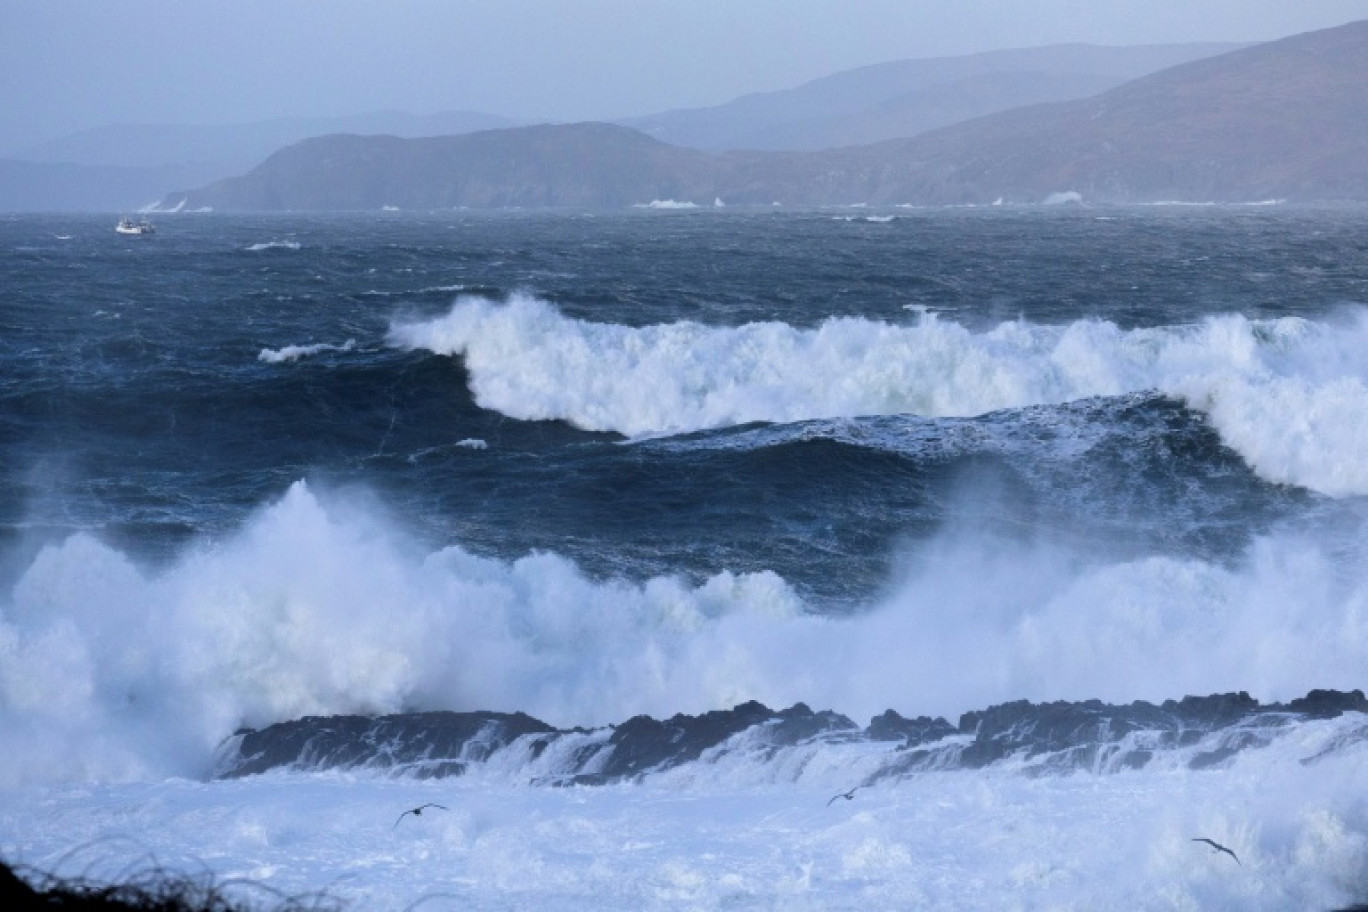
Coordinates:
[70,64]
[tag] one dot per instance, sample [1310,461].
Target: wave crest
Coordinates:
[319,607]
[295,352]
[1290,395]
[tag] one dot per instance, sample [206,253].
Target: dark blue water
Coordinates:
[135,401]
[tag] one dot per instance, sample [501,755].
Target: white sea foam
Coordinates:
[273,245]
[939,841]
[118,680]
[295,352]
[112,671]
[1290,395]
[667,204]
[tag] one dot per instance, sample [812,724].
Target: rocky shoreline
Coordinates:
[1198,732]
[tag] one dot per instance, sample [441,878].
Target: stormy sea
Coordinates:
[691,558]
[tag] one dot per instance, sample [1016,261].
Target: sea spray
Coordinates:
[319,606]
[1288,394]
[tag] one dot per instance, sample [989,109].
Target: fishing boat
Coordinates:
[128,226]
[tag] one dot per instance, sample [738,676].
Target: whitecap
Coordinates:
[273,245]
[295,352]
[1290,395]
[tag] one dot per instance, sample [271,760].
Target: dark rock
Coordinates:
[439,743]
[641,743]
[909,732]
[798,723]
[1081,735]
[1032,729]
[1217,709]
[1327,704]
[1046,738]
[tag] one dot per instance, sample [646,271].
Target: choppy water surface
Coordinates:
[585,467]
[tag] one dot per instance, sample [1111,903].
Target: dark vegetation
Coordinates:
[153,890]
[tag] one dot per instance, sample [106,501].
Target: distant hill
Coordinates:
[907,97]
[1283,120]
[124,166]
[592,165]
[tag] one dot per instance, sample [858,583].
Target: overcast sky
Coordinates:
[66,65]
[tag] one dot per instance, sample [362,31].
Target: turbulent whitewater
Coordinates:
[638,541]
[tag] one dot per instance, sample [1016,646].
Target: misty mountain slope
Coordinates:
[906,97]
[1284,120]
[548,166]
[1287,119]
[925,109]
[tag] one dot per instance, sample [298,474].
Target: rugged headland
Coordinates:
[1286,120]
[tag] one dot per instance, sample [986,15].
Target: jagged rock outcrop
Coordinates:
[1041,738]
[428,745]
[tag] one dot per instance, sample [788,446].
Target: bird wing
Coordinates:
[1220,848]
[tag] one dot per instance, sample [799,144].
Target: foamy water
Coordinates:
[1000,455]
[295,352]
[317,607]
[714,837]
[1290,395]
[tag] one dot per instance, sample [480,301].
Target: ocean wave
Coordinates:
[273,245]
[1290,395]
[730,834]
[318,606]
[295,352]
[667,204]
[428,290]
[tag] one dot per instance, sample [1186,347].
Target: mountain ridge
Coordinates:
[1285,120]
[901,98]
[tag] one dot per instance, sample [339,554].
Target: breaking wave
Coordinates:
[295,352]
[273,245]
[318,606]
[1290,394]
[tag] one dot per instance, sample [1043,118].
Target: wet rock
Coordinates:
[431,743]
[908,732]
[1044,738]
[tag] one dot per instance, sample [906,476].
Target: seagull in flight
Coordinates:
[1218,847]
[846,795]
[418,811]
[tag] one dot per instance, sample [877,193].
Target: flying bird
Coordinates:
[418,811]
[846,795]
[1219,848]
